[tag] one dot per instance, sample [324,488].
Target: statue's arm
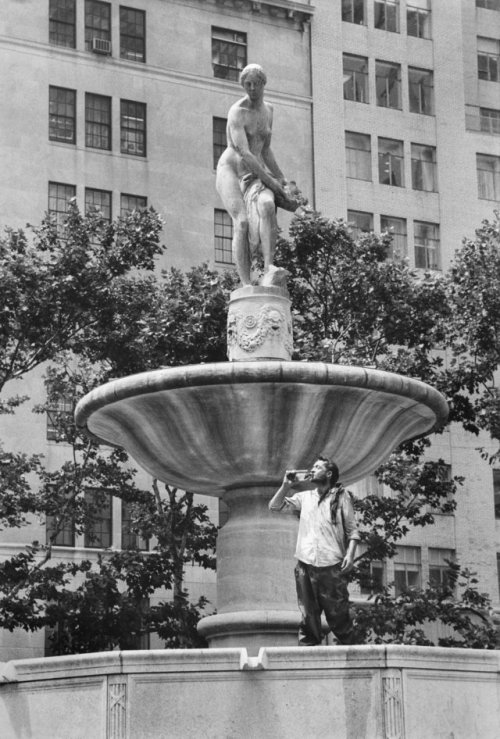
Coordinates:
[268,156]
[239,141]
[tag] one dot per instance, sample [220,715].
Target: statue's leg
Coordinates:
[268,226]
[228,187]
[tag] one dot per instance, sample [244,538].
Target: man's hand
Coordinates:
[347,563]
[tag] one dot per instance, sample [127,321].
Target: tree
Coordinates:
[75,297]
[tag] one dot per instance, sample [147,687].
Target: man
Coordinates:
[326,547]
[248,177]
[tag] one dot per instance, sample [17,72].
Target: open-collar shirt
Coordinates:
[320,541]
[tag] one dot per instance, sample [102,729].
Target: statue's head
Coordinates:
[254,70]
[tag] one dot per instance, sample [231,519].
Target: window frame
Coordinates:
[427,249]
[125,211]
[95,129]
[94,191]
[422,169]
[223,237]
[56,24]
[388,91]
[493,125]
[352,8]
[394,173]
[357,164]
[407,566]
[124,129]
[399,243]
[439,568]
[139,57]
[90,530]
[420,92]
[219,138]
[385,16]
[234,45]
[358,229]
[488,190]
[56,212]
[360,92]
[423,21]
[97,31]
[129,539]
[58,117]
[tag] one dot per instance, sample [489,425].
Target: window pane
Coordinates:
[488,59]
[219,138]
[62,121]
[98,201]
[418,19]
[229,53]
[387,15]
[97,22]
[426,239]
[133,128]
[390,162]
[133,34]
[421,91]
[489,120]
[423,168]
[388,84]
[131,540]
[97,121]
[59,197]
[98,533]
[129,203]
[360,222]
[358,156]
[488,176]
[223,236]
[397,228]
[353,11]
[62,23]
[355,78]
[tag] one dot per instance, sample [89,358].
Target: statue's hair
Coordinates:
[331,467]
[257,69]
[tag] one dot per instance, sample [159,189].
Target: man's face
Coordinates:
[319,471]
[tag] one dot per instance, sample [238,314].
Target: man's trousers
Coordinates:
[322,589]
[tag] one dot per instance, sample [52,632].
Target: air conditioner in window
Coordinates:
[101,46]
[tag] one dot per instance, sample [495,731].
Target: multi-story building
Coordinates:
[387,113]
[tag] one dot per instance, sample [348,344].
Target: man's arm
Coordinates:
[281,502]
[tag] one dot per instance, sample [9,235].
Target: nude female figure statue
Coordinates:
[249,180]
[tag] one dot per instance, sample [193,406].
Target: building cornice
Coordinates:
[298,13]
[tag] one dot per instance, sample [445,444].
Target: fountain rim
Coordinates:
[258,372]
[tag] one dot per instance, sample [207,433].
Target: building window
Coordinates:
[62,118]
[387,15]
[418,19]
[496,492]
[358,155]
[353,11]
[488,59]
[132,34]
[97,121]
[62,23]
[65,536]
[423,168]
[59,197]
[421,90]
[129,203]
[439,569]
[219,138]
[59,415]
[396,227]
[355,78]
[489,120]
[488,4]
[488,176]
[98,201]
[223,237]
[407,569]
[133,128]
[229,53]
[98,531]
[391,162]
[360,222]
[375,579]
[97,22]
[131,540]
[426,240]
[388,84]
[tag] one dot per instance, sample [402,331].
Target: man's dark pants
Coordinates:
[322,589]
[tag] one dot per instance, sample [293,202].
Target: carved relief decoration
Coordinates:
[392,699]
[249,331]
[117,709]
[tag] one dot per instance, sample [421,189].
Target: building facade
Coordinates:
[386,113]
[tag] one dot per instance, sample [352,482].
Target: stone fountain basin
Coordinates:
[215,427]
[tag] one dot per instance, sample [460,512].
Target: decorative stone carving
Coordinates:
[259,324]
[392,701]
[117,707]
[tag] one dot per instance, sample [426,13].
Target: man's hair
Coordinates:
[331,467]
[257,69]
